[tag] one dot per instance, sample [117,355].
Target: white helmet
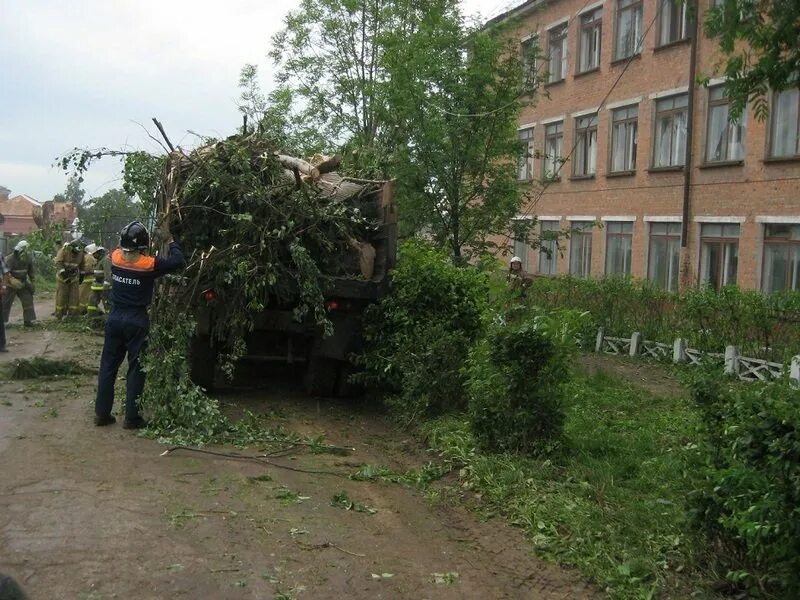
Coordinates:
[91,248]
[516,259]
[21,246]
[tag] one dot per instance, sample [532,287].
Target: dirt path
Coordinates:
[95,513]
[639,372]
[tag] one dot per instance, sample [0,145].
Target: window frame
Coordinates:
[556,174]
[722,240]
[525,254]
[596,23]
[633,5]
[624,235]
[586,132]
[771,134]
[553,258]
[561,30]
[668,236]
[684,16]
[670,113]
[582,230]
[530,67]
[742,124]
[527,154]
[789,243]
[627,122]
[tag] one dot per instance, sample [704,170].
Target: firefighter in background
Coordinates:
[518,279]
[68,273]
[20,282]
[101,281]
[86,278]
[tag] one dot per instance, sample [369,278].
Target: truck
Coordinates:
[354,281]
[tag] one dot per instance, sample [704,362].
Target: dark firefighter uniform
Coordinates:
[133,275]
[20,283]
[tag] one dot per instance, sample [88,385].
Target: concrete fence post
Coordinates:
[794,370]
[598,345]
[731,360]
[636,343]
[679,351]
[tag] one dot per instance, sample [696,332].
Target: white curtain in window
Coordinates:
[785,140]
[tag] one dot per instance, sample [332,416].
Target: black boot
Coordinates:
[105,420]
[137,423]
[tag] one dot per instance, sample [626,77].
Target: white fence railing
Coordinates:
[745,368]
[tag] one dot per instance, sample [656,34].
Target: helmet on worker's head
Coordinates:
[134,236]
[90,249]
[77,244]
[516,259]
[21,247]
[99,252]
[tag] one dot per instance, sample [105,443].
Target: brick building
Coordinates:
[612,136]
[20,214]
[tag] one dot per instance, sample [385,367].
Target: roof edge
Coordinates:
[517,11]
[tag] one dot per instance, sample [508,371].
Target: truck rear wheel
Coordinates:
[203,362]
[322,376]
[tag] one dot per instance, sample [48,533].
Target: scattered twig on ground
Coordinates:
[224,570]
[258,458]
[324,545]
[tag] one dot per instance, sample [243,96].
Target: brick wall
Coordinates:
[742,192]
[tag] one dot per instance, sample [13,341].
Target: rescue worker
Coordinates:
[20,283]
[68,272]
[100,282]
[3,290]
[133,274]
[86,278]
[517,277]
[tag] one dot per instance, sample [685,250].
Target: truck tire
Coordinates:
[322,376]
[203,362]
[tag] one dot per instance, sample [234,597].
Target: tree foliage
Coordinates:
[759,44]
[456,93]
[103,217]
[74,192]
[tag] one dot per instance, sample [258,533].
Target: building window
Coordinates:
[580,249]
[665,253]
[525,164]
[548,247]
[521,246]
[557,50]
[719,254]
[585,161]
[785,130]
[589,40]
[553,149]
[670,143]
[628,39]
[724,140]
[781,258]
[672,22]
[619,243]
[624,138]
[529,49]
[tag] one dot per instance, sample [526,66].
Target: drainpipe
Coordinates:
[693,15]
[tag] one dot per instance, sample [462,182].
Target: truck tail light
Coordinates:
[333,305]
[209,295]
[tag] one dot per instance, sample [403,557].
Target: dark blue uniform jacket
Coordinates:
[132,281]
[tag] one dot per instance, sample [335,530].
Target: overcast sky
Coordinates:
[86,73]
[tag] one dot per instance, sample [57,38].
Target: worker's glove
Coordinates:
[15,283]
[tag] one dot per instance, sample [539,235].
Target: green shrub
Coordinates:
[418,336]
[763,326]
[515,378]
[749,504]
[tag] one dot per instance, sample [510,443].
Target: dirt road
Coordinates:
[95,513]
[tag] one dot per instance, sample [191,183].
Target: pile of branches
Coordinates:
[259,228]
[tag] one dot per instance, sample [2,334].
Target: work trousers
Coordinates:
[84,294]
[67,298]
[125,333]
[26,297]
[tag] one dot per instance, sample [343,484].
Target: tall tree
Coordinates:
[329,61]
[74,192]
[103,217]
[456,94]
[759,49]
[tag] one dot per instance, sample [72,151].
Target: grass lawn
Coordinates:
[611,500]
